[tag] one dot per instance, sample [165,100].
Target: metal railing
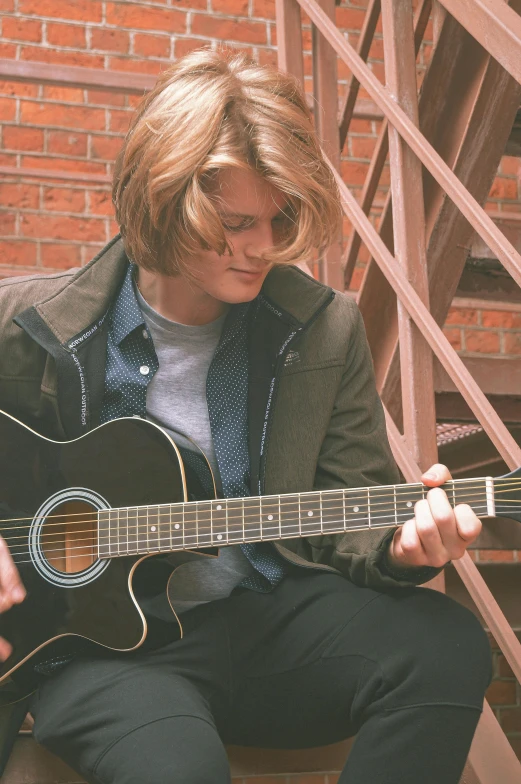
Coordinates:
[497,28]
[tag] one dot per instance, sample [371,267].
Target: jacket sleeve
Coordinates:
[356,453]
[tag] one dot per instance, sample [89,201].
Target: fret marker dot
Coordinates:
[152,528]
[218,507]
[356,508]
[176,525]
[270,517]
[219,536]
[409,503]
[310,514]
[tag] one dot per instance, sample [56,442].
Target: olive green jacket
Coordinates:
[315,419]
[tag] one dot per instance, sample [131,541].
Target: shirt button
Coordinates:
[144,370]
[145,334]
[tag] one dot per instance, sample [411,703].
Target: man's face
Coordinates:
[251,212]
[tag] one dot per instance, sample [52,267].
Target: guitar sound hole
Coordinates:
[69,536]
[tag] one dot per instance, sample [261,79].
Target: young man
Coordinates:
[196,319]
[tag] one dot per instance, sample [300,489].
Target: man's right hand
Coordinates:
[11,591]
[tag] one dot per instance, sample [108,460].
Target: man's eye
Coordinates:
[236,226]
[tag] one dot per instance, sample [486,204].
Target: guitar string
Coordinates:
[120,543]
[372,507]
[195,506]
[238,541]
[352,494]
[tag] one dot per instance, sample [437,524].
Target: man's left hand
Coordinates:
[437,533]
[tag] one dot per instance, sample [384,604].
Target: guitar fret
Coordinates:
[177,528]
[219,522]
[104,533]
[203,516]
[190,526]
[153,528]
[368,508]
[270,517]
[289,515]
[252,518]
[332,504]
[132,538]
[235,511]
[310,513]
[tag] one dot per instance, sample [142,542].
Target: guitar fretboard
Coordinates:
[197,524]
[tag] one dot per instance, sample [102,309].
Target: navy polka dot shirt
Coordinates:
[132,363]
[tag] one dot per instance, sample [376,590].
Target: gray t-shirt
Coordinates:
[176,400]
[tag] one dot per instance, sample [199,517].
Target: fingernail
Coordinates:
[430,476]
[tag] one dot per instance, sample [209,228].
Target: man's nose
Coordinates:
[261,239]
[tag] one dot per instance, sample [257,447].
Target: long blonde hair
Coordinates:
[209,111]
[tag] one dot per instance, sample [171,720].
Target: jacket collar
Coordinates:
[293,294]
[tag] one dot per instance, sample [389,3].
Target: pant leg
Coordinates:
[320,659]
[146,716]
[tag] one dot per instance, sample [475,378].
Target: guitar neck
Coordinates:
[193,525]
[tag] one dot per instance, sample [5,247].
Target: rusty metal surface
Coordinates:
[476,216]
[467,104]
[364,44]
[495,25]
[325,93]
[452,363]
[379,155]
[419,416]
[289,38]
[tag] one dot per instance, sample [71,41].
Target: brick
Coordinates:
[191,5]
[66,35]
[7,109]
[503,188]
[497,556]
[454,338]
[376,52]
[7,6]
[18,252]
[7,223]
[140,17]
[63,227]
[64,199]
[57,256]
[512,343]
[462,316]
[106,147]
[501,318]
[81,117]
[8,159]
[109,40]
[18,194]
[264,8]
[232,7]
[21,29]
[228,29]
[362,148]
[501,693]
[504,668]
[353,172]
[67,143]
[8,51]
[77,10]
[152,45]
[511,719]
[65,164]
[19,89]
[40,55]
[349,18]
[482,341]
[361,126]
[16,137]
[134,65]
[119,121]
[183,46]
[106,98]
[510,165]
[63,94]
[100,203]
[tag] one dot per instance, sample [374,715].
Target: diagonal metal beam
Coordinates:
[467,105]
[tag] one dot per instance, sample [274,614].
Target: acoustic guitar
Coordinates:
[84,518]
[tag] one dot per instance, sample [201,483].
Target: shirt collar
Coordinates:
[126,313]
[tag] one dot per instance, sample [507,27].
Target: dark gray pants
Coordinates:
[313,662]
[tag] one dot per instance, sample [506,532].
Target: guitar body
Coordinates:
[50,493]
